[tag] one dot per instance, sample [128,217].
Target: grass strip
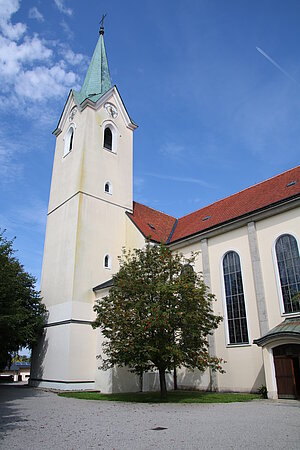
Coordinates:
[173,397]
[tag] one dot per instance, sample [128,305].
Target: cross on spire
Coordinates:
[101,24]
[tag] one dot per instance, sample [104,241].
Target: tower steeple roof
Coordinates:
[97,81]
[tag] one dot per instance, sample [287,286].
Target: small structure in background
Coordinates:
[17,371]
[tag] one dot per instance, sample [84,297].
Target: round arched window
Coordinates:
[108,187]
[107,262]
[108,139]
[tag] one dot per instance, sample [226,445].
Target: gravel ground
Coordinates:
[35,419]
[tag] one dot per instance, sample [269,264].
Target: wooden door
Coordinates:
[285,377]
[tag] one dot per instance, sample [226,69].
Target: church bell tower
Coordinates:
[91,190]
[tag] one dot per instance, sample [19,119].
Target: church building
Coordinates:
[248,246]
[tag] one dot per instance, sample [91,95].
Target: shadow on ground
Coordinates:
[11,412]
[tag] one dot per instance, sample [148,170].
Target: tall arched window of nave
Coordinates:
[288,263]
[235,301]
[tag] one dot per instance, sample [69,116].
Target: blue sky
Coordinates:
[214,86]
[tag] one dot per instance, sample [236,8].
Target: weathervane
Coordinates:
[101,24]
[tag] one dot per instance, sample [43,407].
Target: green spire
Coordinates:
[97,81]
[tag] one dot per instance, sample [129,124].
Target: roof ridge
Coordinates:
[242,190]
[156,210]
[172,231]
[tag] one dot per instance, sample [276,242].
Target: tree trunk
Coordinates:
[175,377]
[162,380]
[141,381]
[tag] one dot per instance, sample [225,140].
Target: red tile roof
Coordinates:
[152,223]
[254,198]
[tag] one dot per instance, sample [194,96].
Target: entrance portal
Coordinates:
[287,370]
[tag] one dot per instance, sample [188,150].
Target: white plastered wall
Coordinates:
[188,378]
[244,367]
[84,223]
[117,379]
[268,231]
[134,238]
[89,165]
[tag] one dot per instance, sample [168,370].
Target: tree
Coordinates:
[157,315]
[20,358]
[22,313]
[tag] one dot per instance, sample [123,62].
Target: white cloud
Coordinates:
[34,13]
[14,56]
[41,83]
[67,29]
[62,8]
[28,69]
[7,9]
[74,58]
[34,73]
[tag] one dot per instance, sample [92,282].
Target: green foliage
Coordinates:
[158,314]
[173,397]
[20,358]
[22,314]
[296,301]
[263,391]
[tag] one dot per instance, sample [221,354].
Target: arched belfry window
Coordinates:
[235,302]
[288,261]
[69,140]
[108,139]
[107,262]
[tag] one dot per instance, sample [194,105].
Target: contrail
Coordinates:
[181,179]
[276,65]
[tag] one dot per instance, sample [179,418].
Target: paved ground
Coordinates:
[35,419]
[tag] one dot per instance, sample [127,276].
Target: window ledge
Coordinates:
[238,345]
[293,314]
[109,151]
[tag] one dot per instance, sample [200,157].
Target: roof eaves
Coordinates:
[243,190]
[106,284]
[289,328]
[277,335]
[129,118]
[95,102]
[58,130]
[236,219]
